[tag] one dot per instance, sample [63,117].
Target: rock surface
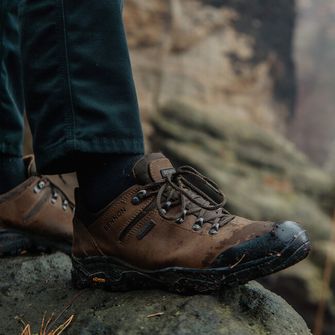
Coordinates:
[31,286]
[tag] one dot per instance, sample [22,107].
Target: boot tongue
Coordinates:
[152,168]
[29,162]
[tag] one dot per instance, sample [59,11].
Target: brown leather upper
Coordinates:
[41,205]
[139,235]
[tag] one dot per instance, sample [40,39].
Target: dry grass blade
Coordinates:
[62,327]
[52,320]
[65,309]
[43,331]
[155,314]
[26,330]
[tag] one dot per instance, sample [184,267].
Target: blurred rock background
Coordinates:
[313,127]
[242,90]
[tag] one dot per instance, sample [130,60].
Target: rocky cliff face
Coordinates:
[31,287]
[229,57]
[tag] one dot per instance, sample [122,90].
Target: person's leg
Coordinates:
[35,211]
[12,169]
[80,95]
[170,228]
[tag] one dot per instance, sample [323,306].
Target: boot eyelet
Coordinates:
[167,205]
[54,197]
[180,220]
[135,200]
[65,205]
[213,232]
[39,186]
[138,197]
[142,194]
[196,227]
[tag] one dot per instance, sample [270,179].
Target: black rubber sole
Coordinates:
[15,243]
[108,273]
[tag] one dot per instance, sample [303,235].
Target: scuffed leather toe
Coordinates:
[283,241]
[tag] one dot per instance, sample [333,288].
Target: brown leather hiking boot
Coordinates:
[37,214]
[171,231]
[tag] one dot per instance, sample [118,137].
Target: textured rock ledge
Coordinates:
[31,286]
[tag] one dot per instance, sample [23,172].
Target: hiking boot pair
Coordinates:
[170,230]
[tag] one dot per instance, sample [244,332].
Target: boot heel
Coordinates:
[80,280]
[83,278]
[97,273]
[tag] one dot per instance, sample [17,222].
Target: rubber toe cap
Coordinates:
[284,240]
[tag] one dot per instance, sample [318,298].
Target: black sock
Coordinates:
[103,177]
[12,172]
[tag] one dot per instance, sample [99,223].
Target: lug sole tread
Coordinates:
[104,272]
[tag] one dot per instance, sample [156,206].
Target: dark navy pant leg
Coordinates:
[79,91]
[11,96]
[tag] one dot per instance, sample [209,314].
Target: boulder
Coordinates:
[33,286]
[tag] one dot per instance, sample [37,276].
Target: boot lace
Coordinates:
[187,192]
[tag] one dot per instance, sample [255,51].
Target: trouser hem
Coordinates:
[65,157]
